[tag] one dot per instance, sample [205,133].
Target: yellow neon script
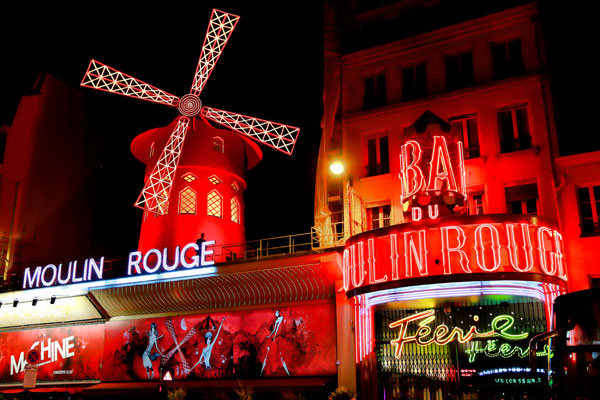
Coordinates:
[442,334]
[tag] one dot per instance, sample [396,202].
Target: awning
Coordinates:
[250,284]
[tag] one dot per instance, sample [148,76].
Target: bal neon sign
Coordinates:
[425,335]
[432,175]
[444,248]
[442,175]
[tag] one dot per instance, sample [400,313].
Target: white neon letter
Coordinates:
[205,252]
[446,249]
[410,253]
[410,172]
[134,261]
[51,282]
[441,158]
[513,249]
[494,246]
[30,280]
[98,268]
[195,259]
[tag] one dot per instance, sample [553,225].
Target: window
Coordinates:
[414,82]
[187,201]
[214,204]
[522,199]
[589,207]
[466,126]
[379,216]
[234,186]
[189,177]
[151,150]
[459,71]
[378,158]
[476,203]
[214,179]
[235,210]
[513,125]
[507,59]
[218,145]
[375,92]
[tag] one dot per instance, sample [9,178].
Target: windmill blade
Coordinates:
[219,29]
[155,195]
[278,136]
[102,77]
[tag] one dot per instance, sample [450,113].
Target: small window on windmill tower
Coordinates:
[151,150]
[218,145]
[189,177]
[214,179]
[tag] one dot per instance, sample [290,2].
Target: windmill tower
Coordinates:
[197,188]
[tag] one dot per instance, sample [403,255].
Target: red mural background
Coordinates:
[274,342]
[67,353]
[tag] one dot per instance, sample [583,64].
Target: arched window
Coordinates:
[214,204]
[235,210]
[218,145]
[187,201]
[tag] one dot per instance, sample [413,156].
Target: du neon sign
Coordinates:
[425,335]
[466,245]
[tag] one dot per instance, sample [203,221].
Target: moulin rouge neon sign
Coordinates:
[444,248]
[425,335]
[154,261]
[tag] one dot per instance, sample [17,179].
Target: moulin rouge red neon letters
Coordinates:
[490,247]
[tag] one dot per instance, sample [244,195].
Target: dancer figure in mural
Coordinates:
[275,327]
[148,356]
[207,350]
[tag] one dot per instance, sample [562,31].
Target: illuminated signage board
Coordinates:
[432,176]
[154,261]
[63,274]
[190,256]
[426,335]
[489,244]
[67,353]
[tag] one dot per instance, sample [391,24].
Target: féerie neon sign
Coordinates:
[442,334]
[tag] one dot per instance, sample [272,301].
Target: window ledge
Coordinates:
[589,234]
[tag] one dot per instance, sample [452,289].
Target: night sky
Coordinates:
[271,68]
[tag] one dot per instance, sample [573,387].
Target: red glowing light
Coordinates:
[157,189]
[437,249]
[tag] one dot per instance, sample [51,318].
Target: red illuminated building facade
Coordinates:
[443,246]
[436,253]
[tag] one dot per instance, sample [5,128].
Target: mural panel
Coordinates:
[277,342]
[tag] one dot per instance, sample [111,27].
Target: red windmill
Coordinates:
[154,198]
